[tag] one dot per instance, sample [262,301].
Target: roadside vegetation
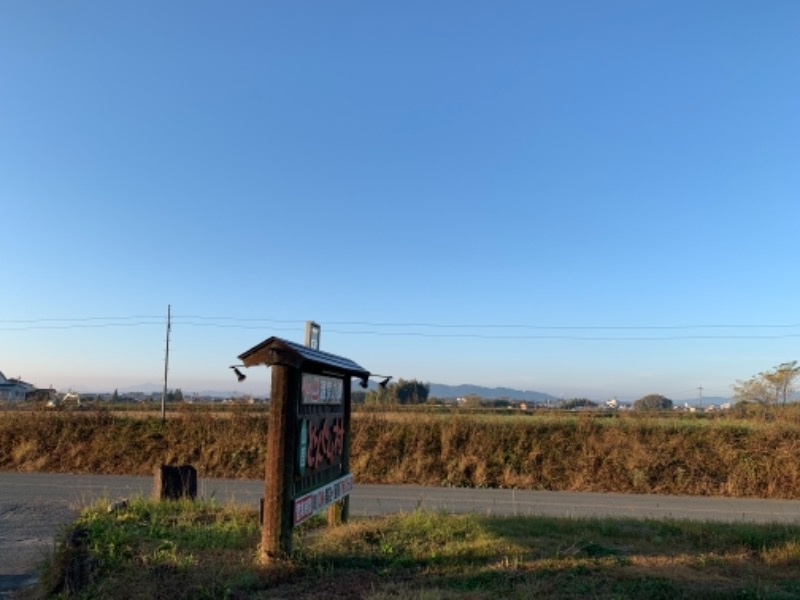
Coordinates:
[751,451]
[174,550]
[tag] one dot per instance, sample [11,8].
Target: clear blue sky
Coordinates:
[581,198]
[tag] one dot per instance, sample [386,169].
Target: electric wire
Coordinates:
[83,326]
[503,331]
[431,330]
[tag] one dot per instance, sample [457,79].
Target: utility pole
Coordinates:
[700,394]
[166,367]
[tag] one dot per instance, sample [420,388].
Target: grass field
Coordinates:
[178,550]
[204,550]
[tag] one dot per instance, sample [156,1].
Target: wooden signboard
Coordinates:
[308,443]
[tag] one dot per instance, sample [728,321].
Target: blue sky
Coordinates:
[581,198]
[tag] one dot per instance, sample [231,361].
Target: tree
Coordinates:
[402,392]
[653,402]
[410,391]
[756,389]
[782,378]
[471,401]
[768,387]
[578,403]
[378,395]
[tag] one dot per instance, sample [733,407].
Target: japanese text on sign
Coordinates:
[310,504]
[318,389]
[325,441]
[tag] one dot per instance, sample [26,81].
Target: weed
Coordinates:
[746,455]
[204,550]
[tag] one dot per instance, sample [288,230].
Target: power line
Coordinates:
[231,326]
[219,319]
[476,331]
[79,326]
[563,327]
[239,319]
[75,319]
[563,337]
[507,325]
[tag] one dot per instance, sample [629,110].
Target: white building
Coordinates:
[13,390]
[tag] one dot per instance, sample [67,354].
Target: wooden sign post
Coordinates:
[308,442]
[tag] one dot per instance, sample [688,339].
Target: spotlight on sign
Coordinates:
[239,375]
[383,382]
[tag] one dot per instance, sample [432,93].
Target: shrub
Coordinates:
[653,402]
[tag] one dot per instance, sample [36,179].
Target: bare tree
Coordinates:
[769,387]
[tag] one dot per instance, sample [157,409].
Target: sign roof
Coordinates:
[277,350]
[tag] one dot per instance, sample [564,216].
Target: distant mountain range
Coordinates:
[439,390]
[152,388]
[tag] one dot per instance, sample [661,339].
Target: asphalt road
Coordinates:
[33,506]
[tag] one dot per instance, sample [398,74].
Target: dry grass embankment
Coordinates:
[745,455]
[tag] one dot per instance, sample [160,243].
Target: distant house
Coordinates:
[14,390]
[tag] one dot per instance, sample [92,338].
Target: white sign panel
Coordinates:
[310,504]
[319,389]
